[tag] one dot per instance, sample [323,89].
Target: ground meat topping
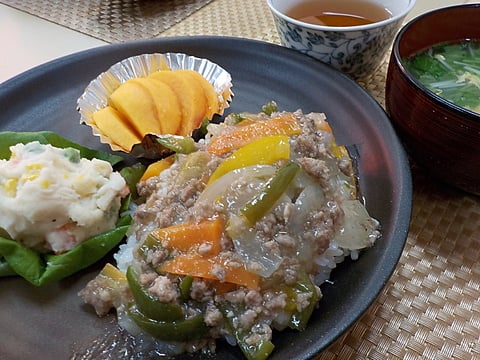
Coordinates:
[163,289]
[290,247]
[103,295]
[200,291]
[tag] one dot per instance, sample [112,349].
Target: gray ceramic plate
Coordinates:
[52,323]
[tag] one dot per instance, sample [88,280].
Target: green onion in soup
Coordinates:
[450,70]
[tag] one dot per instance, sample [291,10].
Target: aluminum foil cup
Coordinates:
[96,94]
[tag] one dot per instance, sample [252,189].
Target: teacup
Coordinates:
[354,50]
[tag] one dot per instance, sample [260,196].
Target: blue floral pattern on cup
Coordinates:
[356,53]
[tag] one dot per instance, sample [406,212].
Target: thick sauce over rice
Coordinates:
[275,247]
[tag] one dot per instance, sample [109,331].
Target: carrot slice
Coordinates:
[223,287]
[284,124]
[324,126]
[188,236]
[196,265]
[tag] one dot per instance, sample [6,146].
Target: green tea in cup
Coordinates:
[339,13]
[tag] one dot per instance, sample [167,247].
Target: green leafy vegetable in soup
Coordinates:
[450,70]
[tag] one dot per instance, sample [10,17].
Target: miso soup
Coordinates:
[450,70]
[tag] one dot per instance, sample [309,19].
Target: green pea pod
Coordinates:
[9,138]
[150,306]
[179,330]
[259,351]
[41,269]
[261,203]
[5,268]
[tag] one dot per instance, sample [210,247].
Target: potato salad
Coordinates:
[52,199]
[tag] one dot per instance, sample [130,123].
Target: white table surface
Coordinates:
[27,41]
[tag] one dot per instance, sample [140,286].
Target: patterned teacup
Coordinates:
[354,50]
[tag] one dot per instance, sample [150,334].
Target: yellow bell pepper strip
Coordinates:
[283,124]
[148,305]
[188,236]
[196,265]
[264,151]
[261,203]
[338,151]
[154,169]
[177,330]
[114,283]
[113,273]
[258,351]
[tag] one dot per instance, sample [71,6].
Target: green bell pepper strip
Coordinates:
[260,351]
[132,175]
[299,319]
[193,167]
[185,285]
[176,143]
[179,330]
[148,305]
[261,203]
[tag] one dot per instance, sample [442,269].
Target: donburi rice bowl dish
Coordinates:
[233,239]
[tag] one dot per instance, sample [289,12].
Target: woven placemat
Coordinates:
[113,20]
[430,308]
[241,18]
